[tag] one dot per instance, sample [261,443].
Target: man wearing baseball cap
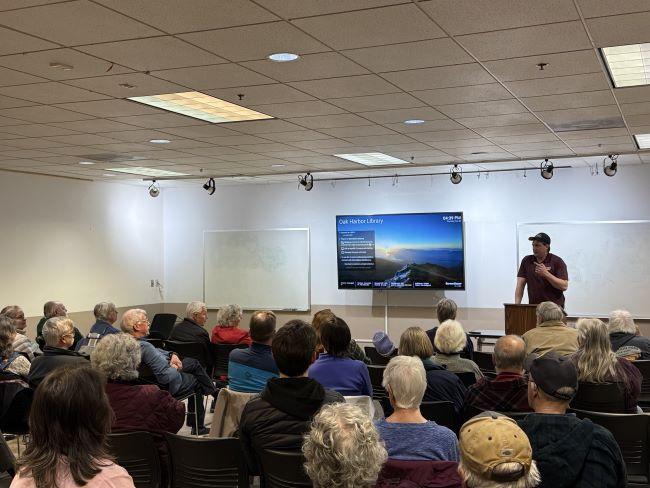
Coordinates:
[495,452]
[569,452]
[544,274]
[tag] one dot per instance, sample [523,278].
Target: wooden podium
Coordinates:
[520,318]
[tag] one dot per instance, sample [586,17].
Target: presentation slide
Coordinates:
[401,251]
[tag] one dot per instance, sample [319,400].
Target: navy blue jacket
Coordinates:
[250,369]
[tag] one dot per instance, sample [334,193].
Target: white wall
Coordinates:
[77,241]
[491,209]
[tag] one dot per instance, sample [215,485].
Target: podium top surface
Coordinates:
[520,305]
[489,333]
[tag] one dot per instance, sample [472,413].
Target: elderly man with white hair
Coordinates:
[623,332]
[105,316]
[179,378]
[450,341]
[551,334]
[22,343]
[192,329]
[54,309]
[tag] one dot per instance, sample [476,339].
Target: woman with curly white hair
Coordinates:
[343,449]
[227,330]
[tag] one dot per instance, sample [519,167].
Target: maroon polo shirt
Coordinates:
[539,289]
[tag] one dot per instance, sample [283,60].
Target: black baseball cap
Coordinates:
[551,372]
[541,237]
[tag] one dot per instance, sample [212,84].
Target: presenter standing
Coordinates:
[543,272]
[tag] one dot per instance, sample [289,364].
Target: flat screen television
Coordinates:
[401,251]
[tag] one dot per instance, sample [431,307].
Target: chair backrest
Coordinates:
[377,358]
[283,469]
[441,412]
[468,378]
[631,434]
[202,462]
[7,458]
[15,403]
[483,360]
[644,367]
[221,354]
[162,325]
[194,350]
[137,453]
[157,343]
[376,373]
[599,397]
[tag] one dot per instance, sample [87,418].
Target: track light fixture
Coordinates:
[456,174]
[610,169]
[306,181]
[546,169]
[210,186]
[154,190]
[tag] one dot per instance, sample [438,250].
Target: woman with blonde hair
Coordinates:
[597,363]
[450,341]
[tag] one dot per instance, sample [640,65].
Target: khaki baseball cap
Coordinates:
[491,439]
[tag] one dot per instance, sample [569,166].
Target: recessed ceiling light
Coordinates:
[86,162]
[277,166]
[159,141]
[414,121]
[628,65]
[642,140]
[201,106]
[283,57]
[371,159]
[138,170]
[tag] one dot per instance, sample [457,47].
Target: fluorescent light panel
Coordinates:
[628,65]
[642,140]
[201,106]
[371,159]
[138,170]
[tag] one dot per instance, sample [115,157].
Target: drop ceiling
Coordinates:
[469,69]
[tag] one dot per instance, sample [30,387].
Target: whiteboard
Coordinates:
[264,269]
[608,263]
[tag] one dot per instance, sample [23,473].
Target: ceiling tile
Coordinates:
[523,138]
[446,135]
[308,8]
[463,143]
[441,77]
[350,86]
[364,28]
[559,85]
[633,94]
[534,146]
[263,126]
[619,29]
[50,92]
[174,16]
[559,64]
[15,42]
[6,121]
[323,144]
[377,102]
[482,109]
[142,136]
[257,95]
[38,63]
[236,140]
[74,23]
[33,143]
[497,120]
[431,125]
[297,109]
[38,130]
[400,115]
[261,40]
[381,140]
[15,4]
[308,67]
[300,135]
[365,130]
[159,121]
[602,8]
[110,108]
[142,84]
[154,53]
[329,121]
[8,102]
[527,41]
[10,77]
[563,119]
[637,120]
[198,131]
[593,134]
[42,114]
[635,108]
[215,76]
[84,139]
[410,55]
[570,100]
[95,125]
[463,94]
[513,130]
[467,16]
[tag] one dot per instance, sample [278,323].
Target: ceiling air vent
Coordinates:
[589,124]
[110,158]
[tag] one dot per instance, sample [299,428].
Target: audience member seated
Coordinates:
[449,342]
[407,435]
[597,363]
[50,310]
[446,310]
[22,343]
[624,332]
[192,329]
[441,384]
[343,449]
[334,369]
[105,316]
[495,453]
[58,333]
[10,360]
[508,392]
[551,334]
[69,422]
[227,330]
[354,351]
[249,369]
[383,345]
[570,453]
[178,378]
[631,353]
[136,407]
[280,416]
